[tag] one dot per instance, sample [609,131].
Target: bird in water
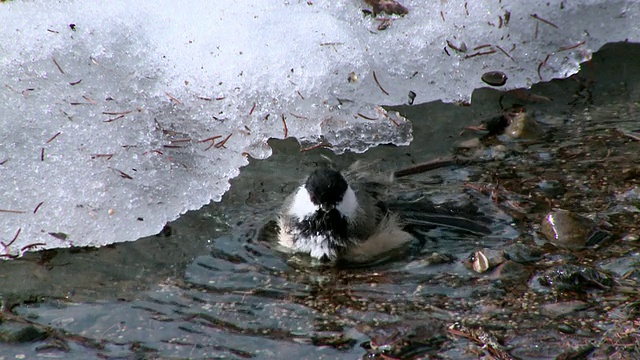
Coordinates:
[354,219]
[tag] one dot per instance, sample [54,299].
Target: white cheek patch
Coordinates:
[349,204]
[302,206]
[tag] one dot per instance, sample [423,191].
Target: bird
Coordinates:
[354,218]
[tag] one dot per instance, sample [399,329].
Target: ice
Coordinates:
[106,108]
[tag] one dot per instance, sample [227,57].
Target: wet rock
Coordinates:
[566,329]
[430,260]
[580,352]
[404,341]
[482,337]
[524,127]
[494,78]
[473,143]
[631,196]
[569,230]
[498,152]
[521,253]
[560,309]
[21,334]
[512,272]
[575,278]
[53,345]
[627,267]
[551,188]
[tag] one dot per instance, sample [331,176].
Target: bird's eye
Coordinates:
[313,199]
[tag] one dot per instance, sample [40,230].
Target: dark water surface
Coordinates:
[206,288]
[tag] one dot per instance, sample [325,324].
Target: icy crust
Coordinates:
[118,117]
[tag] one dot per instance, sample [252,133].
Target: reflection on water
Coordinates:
[210,289]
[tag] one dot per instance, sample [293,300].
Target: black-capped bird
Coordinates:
[334,218]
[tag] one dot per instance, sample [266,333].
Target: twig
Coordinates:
[429,165]
[481,47]
[504,52]
[89,100]
[122,173]
[542,64]
[535,16]
[318,145]
[565,48]
[108,156]
[53,137]
[7,252]
[117,112]
[480,54]
[212,139]
[393,121]
[384,113]
[38,207]
[631,135]
[286,129]
[365,117]
[27,247]
[462,48]
[224,141]
[113,119]
[12,211]
[57,65]
[6,246]
[375,78]
[173,98]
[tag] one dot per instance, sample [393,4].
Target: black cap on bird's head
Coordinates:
[326,187]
